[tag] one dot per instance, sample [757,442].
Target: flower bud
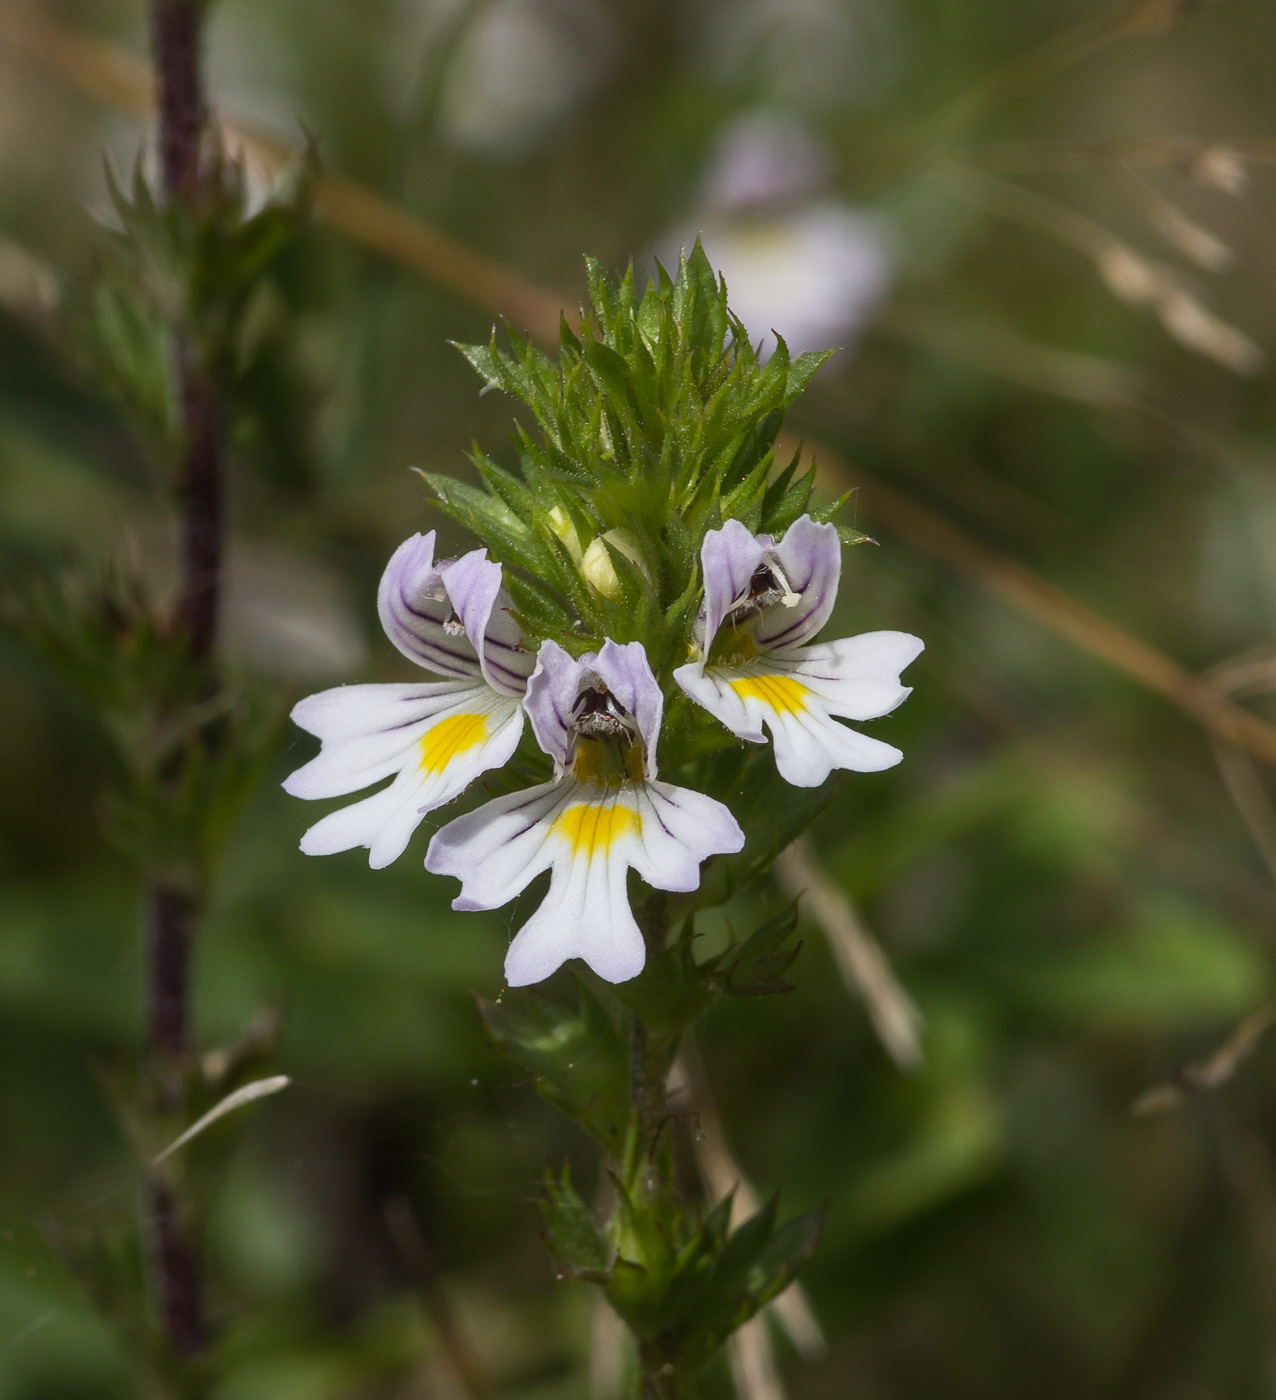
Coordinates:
[600,573]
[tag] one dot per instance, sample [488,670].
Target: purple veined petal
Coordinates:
[681,828]
[556,684]
[808,743]
[810,556]
[368,731]
[551,695]
[588,837]
[414,606]
[497,850]
[729,557]
[626,672]
[473,584]
[467,729]
[585,913]
[858,677]
[711,690]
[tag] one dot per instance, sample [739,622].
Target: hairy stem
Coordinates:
[177,40]
[177,1272]
[201,490]
[177,32]
[172,926]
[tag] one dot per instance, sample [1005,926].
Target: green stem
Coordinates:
[649,1059]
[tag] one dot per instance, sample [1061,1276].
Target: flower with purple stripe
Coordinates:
[433,737]
[604,812]
[764,602]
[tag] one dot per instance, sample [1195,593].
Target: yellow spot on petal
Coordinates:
[591,827]
[782,693]
[450,737]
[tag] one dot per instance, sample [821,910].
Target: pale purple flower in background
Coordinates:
[799,264]
[764,602]
[604,812]
[435,737]
[520,68]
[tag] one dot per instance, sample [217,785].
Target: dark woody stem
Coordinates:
[177,42]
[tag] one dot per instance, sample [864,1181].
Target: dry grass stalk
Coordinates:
[607,1341]
[1130,275]
[102,71]
[722,1175]
[28,285]
[753,1369]
[414,1254]
[1253,673]
[1212,1072]
[864,967]
[1217,165]
[1193,241]
[1042,601]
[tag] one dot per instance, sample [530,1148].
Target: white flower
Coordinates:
[436,737]
[764,602]
[604,813]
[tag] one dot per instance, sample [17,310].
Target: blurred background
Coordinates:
[1042,234]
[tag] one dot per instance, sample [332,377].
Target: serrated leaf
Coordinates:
[578,1060]
[575,1243]
[756,967]
[771,812]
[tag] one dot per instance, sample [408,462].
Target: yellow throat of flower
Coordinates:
[733,646]
[590,827]
[607,763]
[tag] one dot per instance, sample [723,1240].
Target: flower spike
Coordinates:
[764,602]
[436,737]
[604,813]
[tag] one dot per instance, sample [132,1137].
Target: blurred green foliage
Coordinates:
[1056,871]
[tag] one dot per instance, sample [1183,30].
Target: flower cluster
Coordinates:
[598,717]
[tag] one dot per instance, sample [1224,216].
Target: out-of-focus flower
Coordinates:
[763,603]
[808,268]
[604,812]
[806,54]
[436,737]
[519,68]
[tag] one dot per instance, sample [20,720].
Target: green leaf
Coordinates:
[757,966]
[575,1243]
[771,812]
[579,1060]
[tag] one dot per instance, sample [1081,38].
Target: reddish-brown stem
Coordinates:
[171,914]
[177,1271]
[177,40]
[201,492]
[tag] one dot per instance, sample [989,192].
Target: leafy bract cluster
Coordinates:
[676,1273]
[656,423]
[198,265]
